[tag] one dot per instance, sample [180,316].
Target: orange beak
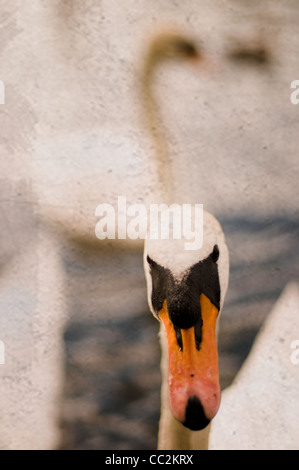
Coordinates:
[194,391]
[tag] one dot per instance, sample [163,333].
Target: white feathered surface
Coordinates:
[259,411]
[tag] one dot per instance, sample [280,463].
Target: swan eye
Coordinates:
[215,254]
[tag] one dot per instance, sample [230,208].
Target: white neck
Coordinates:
[172,434]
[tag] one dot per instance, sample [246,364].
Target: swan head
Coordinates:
[171,45]
[186,290]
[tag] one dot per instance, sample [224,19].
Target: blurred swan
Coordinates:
[260,411]
[186,289]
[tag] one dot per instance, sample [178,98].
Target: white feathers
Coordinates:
[171,254]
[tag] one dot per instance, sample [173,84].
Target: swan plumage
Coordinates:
[259,411]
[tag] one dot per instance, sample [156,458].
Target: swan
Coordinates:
[261,405]
[185,289]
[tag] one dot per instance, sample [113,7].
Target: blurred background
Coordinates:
[82,350]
